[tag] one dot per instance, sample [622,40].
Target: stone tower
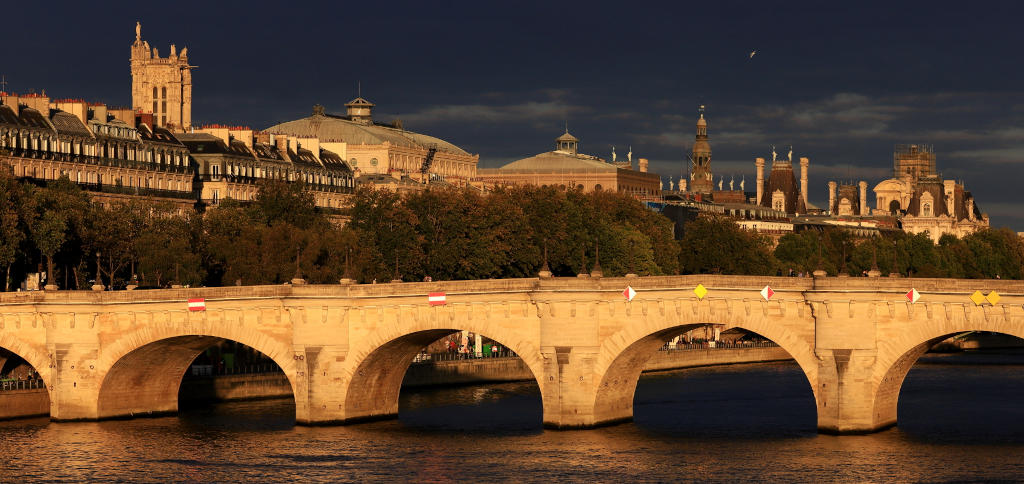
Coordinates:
[700,174]
[162,86]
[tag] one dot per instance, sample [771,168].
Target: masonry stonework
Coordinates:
[345,349]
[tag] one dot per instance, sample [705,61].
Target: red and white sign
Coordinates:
[767,293]
[629,293]
[913,295]
[197,304]
[437,299]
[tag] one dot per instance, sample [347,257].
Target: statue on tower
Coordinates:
[773,154]
[731,181]
[613,154]
[138,31]
[671,185]
[721,180]
[629,155]
[790,157]
[742,182]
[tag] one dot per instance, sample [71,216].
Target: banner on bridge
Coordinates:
[197,304]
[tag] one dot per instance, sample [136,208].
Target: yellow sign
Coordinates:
[978,298]
[993,298]
[700,291]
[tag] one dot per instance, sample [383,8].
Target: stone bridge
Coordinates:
[345,348]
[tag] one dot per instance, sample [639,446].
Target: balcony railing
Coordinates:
[719,345]
[9,385]
[248,180]
[138,191]
[100,161]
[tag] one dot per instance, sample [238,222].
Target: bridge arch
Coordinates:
[381,360]
[37,358]
[141,372]
[622,356]
[897,356]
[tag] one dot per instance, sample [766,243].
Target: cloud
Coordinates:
[482,113]
[1006,155]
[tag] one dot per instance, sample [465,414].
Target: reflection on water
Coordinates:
[750,422]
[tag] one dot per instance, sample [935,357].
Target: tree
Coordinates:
[48,235]
[12,223]
[387,224]
[281,201]
[165,249]
[11,238]
[111,232]
[717,245]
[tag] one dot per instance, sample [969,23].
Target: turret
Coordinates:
[759,162]
[567,143]
[360,110]
[804,162]
[863,198]
[700,174]
[832,198]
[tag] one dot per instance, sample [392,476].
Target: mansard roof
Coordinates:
[332,160]
[208,144]
[7,116]
[267,152]
[157,135]
[34,119]
[783,178]
[69,125]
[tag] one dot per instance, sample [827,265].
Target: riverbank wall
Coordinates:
[223,388]
[33,402]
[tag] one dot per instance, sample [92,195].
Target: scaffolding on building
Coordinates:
[916,160]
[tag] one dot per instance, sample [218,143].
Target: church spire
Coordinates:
[700,174]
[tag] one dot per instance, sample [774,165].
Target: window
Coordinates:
[926,210]
[154,96]
[373,162]
[353,162]
[163,93]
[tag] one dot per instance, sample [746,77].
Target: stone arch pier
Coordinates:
[345,348]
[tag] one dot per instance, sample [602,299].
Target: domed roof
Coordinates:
[892,184]
[559,161]
[702,121]
[330,128]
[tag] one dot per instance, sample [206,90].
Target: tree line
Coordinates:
[716,245]
[440,234]
[434,234]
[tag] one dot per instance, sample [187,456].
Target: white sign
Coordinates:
[913,295]
[629,293]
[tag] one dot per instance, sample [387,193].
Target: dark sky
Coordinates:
[841,84]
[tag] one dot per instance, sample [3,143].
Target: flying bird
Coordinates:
[752,54]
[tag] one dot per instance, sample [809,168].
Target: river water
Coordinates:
[961,418]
